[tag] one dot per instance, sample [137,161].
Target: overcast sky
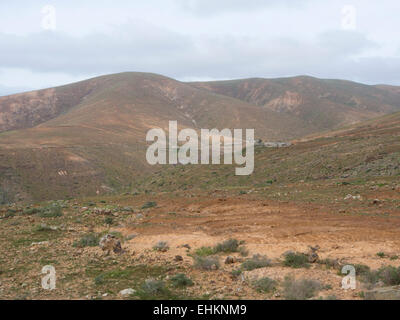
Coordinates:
[49,43]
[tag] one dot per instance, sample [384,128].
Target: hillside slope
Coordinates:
[326,104]
[90,137]
[354,155]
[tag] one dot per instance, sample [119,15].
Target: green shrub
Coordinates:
[389,275]
[362,269]
[231,245]
[243,251]
[206,263]
[108,220]
[9,214]
[236,273]
[256,262]
[181,280]
[153,287]
[88,240]
[99,280]
[296,260]
[42,228]
[300,289]
[264,285]
[330,263]
[51,211]
[161,246]
[204,251]
[31,211]
[149,204]
[381,254]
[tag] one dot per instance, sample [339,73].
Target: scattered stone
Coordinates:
[178,258]
[131,236]
[39,243]
[376,202]
[385,293]
[312,254]
[110,243]
[127,292]
[230,260]
[349,196]
[184,246]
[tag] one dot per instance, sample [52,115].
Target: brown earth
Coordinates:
[267,227]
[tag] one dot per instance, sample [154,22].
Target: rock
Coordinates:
[110,243]
[376,202]
[230,260]
[313,257]
[39,243]
[83,209]
[131,236]
[178,258]
[385,293]
[214,267]
[127,292]
[312,254]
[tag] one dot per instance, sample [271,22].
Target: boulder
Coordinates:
[230,260]
[110,243]
[127,292]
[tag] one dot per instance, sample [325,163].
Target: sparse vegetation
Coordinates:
[295,260]
[181,280]
[149,204]
[265,285]
[302,289]
[206,263]
[381,254]
[88,240]
[329,263]
[389,275]
[228,246]
[161,246]
[236,273]
[108,220]
[51,211]
[153,289]
[243,251]
[256,262]
[204,251]
[42,228]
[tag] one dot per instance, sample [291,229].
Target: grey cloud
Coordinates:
[139,47]
[211,7]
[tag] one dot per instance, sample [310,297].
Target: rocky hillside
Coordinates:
[325,104]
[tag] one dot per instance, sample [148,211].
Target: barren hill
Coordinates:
[326,104]
[89,137]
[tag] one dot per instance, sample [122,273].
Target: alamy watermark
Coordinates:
[49,280]
[49,19]
[349,281]
[349,17]
[184,147]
